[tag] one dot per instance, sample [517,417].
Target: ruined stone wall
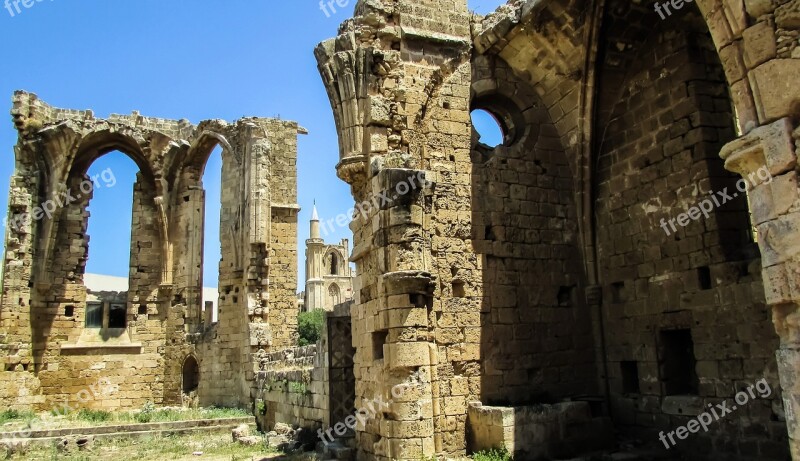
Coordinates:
[258,271]
[664,113]
[291,388]
[758,47]
[283,243]
[312,386]
[398,77]
[49,353]
[633,112]
[526,229]
[68,357]
[224,350]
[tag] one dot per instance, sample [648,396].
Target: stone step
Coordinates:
[223,425]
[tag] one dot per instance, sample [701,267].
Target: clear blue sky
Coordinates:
[177,59]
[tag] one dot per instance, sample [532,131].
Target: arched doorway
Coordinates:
[191,375]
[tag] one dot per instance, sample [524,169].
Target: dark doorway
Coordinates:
[191,375]
[677,362]
[342,380]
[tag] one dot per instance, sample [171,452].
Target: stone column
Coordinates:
[398,80]
[402,320]
[767,159]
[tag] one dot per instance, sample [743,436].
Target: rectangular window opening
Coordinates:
[378,340]
[630,377]
[704,277]
[117,316]
[94,315]
[677,362]
[566,296]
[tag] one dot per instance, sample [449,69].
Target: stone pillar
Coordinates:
[767,158]
[398,78]
[402,318]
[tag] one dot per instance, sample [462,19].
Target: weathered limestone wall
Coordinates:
[621,117]
[543,431]
[758,44]
[282,286]
[309,386]
[49,355]
[398,77]
[526,229]
[293,388]
[224,351]
[663,114]
[258,271]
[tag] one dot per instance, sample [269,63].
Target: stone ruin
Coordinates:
[536,272]
[525,295]
[156,341]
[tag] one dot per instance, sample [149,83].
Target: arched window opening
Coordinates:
[112,182]
[334,264]
[336,295]
[212,246]
[191,375]
[489,128]
[112,177]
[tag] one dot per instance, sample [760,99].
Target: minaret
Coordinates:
[314,222]
[315,249]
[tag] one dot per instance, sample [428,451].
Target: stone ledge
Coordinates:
[286,206]
[413,32]
[129,428]
[161,429]
[102,349]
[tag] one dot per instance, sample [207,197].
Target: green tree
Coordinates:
[309,326]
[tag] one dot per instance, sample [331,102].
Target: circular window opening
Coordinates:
[490,130]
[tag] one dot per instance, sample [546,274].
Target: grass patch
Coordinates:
[93,416]
[15,415]
[56,419]
[150,414]
[146,414]
[493,454]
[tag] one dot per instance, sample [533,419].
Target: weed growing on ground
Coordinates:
[493,455]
